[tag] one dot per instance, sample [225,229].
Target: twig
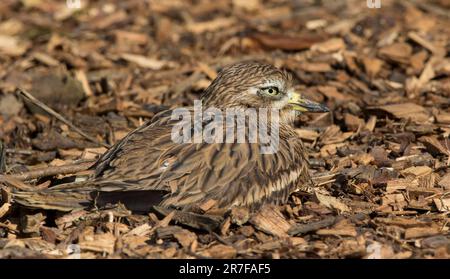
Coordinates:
[297,229]
[58,116]
[324,179]
[2,158]
[326,182]
[19,151]
[50,171]
[330,175]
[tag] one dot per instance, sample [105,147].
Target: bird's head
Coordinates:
[257,85]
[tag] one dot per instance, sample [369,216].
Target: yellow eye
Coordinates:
[271,91]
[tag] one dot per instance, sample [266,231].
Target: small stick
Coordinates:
[58,116]
[330,175]
[19,151]
[50,171]
[326,182]
[2,158]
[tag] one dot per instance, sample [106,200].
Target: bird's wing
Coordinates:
[231,173]
[135,157]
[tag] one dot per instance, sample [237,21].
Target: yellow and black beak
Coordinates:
[298,103]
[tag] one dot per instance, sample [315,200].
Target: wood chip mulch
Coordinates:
[380,159]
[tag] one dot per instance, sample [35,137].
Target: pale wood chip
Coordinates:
[103,243]
[270,220]
[212,25]
[328,46]
[220,251]
[417,171]
[46,59]
[145,62]
[4,209]
[411,111]
[330,201]
[411,233]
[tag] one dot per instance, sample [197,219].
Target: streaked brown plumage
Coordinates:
[188,174]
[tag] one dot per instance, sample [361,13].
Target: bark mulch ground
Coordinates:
[380,158]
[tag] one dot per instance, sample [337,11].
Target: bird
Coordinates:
[148,166]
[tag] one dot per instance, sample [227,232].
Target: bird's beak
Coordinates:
[297,102]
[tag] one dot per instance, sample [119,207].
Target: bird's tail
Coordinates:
[62,198]
[53,200]
[87,194]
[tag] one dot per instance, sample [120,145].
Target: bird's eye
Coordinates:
[271,91]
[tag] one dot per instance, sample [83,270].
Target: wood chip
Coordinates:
[402,222]
[131,37]
[108,20]
[270,220]
[412,233]
[372,66]
[371,123]
[142,230]
[220,252]
[315,67]
[4,209]
[12,46]
[333,93]
[193,220]
[379,158]
[299,229]
[225,226]
[331,45]
[398,52]
[247,5]
[212,25]
[103,243]
[411,111]
[306,134]
[417,171]
[399,184]
[445,182]
[352,122]
[281,41]
[330,201]
[46,59]
[145,62]
[239,215]
[443,118]
[435,146]
[425,43]
[443,205]
[207,205]
[185,238]
[341,232]
[32,223]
